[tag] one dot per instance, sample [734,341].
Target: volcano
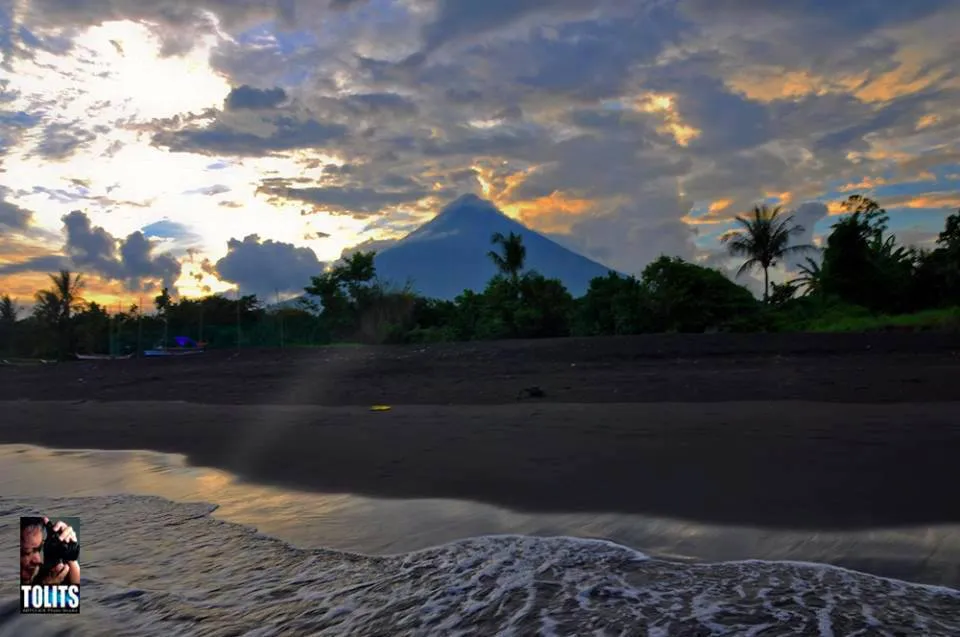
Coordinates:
[448,254]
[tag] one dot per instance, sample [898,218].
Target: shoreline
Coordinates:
[357,525]
[790,464]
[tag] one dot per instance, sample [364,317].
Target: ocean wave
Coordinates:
[155,567]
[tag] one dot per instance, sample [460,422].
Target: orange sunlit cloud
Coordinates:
[555,213]
[931,200]
[718,212]
[867,183]
[910,76]
[913,202]
[835,208]
[768,83]
[719,206]
[673,124]
[927,121]
[783,198]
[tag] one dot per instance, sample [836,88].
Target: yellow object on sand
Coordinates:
[380,408]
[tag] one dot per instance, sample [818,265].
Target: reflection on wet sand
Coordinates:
[377,526]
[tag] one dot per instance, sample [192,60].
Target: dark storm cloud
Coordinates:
[591,60]
[380,103]
[463,96]
[509,113]
[131,260]
[520,142]
[866,15]
[139,263]
[220,139]
[12,216]
[264,267]
[42,263]
[245,96]
[333,169]
[93,250]
[457,20]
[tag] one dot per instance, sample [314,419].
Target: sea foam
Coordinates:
[154,567]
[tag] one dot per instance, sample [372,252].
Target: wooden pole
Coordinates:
[166,327]
[116,342]
[140,328]
[280,315]
[238,318]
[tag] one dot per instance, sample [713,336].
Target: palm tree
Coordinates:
[60,301]
[55,306]
[8,309]
[512,255]
[765,240]
[810,277]
[8,322]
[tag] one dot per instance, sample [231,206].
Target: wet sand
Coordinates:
[377,526]
[800,433]
[775,464]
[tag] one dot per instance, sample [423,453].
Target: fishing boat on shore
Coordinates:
[184,347]
[103,357]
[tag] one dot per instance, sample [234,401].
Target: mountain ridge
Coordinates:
[449,253]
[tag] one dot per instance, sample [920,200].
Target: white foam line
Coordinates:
[933,588]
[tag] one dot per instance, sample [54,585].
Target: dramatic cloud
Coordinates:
[131,260]
[267,267]
[280,134]
[625,129]
[12,216]
[355,200]
[93,250]
[254,98]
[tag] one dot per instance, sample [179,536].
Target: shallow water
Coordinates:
[161,566]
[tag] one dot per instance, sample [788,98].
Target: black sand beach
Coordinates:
[798,431]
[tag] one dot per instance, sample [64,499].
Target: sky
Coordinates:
[210,144]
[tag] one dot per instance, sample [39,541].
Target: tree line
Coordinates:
[860,270]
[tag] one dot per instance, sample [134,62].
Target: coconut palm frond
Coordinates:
[765,236]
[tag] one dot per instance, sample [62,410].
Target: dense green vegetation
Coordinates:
[862,279]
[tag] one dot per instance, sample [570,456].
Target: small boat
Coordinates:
[172,351]
[102,357]
[184,347]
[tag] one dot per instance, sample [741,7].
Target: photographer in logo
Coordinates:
[49,570]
